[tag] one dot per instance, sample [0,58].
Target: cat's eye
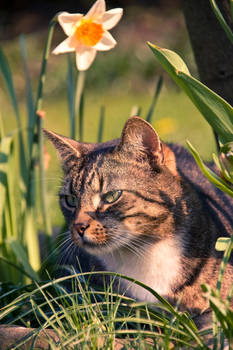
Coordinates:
[71,201]
[112,196]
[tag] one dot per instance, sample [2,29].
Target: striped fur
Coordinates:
[162,228]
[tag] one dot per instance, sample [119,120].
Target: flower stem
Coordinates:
[38,103]
[79,103]
[36,144]
[43,193]
[40,121]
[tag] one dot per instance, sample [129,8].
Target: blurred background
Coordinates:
[119,79]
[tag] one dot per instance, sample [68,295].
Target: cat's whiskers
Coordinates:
[137,247]
[65,246]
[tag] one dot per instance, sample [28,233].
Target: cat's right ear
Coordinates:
[68,149]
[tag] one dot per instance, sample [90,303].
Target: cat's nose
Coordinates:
[81,227]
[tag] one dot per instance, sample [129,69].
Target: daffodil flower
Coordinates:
[88,34]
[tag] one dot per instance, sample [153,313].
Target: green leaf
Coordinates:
[22,258]
[101,124]
[31,237]
[155,99]
[5,151]
[222,244]
[224,168]
[228,147]
[214,178]
[221,20]
[2,133]
[6,73]
[221,309]
[215,109]
[30,102]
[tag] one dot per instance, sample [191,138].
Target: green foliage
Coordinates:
[87,316]
[19,241]
[217,112]
[222,312]
[84,317]
[222,20]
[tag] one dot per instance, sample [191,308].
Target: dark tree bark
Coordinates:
[212,49]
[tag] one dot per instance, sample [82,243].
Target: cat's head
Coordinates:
[119,194]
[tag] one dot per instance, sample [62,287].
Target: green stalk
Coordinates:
[38,104]
[221,19]
[2,133]
[101,124]
[32,239]
[155,99]
[79,103]
[71,96]
[44,204]
[225,259]
[226,256]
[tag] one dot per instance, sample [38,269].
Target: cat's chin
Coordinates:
[97,249]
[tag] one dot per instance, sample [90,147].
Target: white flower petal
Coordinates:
[106,43]
[111,18]
[97,10]
[65,46]
[84,57]
[68,21]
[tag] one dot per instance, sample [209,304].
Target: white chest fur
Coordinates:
[158,268]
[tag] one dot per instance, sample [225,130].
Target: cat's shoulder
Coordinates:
[217,203]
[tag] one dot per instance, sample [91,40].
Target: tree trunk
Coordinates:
[212,49]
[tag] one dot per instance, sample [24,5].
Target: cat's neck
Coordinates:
[158,267]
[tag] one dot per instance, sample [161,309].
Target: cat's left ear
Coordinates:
[139,137]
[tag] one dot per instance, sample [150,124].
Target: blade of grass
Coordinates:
[221,20]
[11,194]
[43,192]
[135,111]
[17,267]
[2,133]
[222,244]
[224,262]
[29,95]
[5,149]
[71,97]
[22,258]
[31,237]
[212,177]
[6,73]
[38,103]
[101,124]
[155,99]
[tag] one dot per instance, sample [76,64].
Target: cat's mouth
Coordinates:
[93,246]
[88,242]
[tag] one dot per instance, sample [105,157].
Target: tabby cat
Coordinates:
[142,208]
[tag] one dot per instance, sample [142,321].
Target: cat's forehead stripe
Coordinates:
[96,200]
[93,181]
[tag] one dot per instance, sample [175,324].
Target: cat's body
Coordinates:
[141,208]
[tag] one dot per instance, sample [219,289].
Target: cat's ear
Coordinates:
[69,150]
[139,137]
